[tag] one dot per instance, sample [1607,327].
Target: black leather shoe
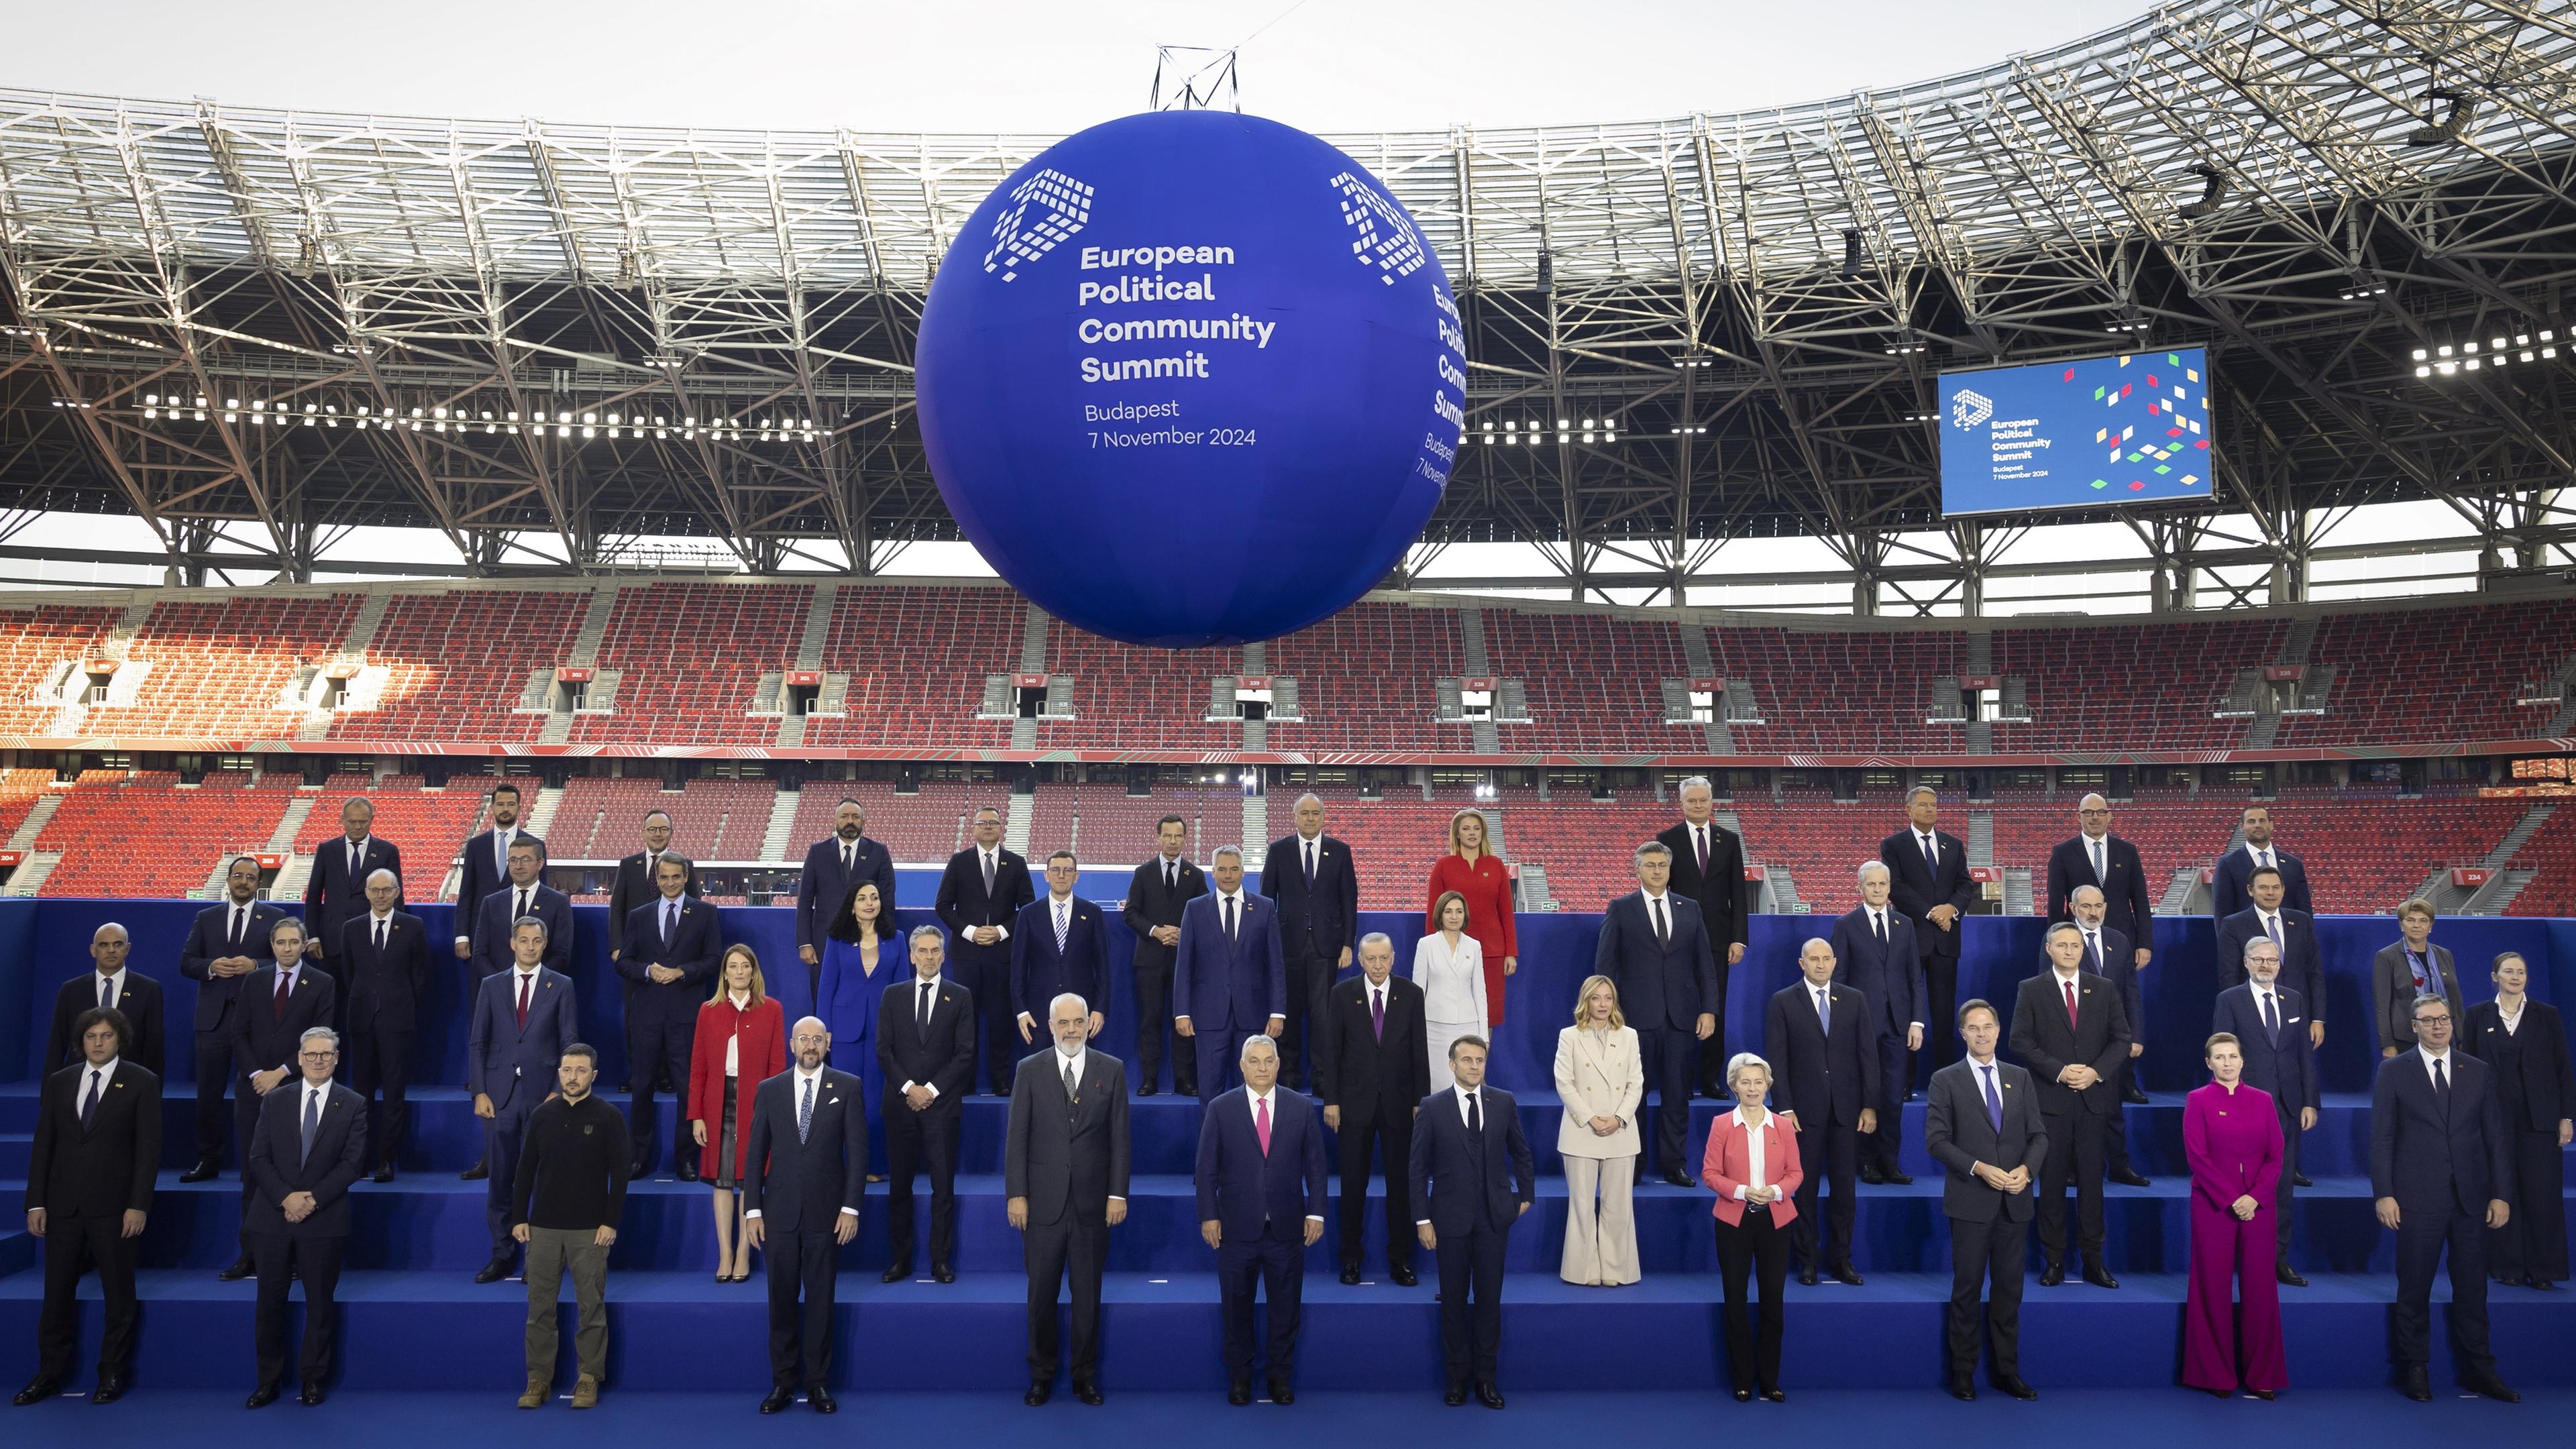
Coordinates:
[38,1390]
[635,1171]
[2300,1179]
[1872,1176]
[1239,1392]
[942,1273]
[777,1399]
[206,1167]
[1894,1178]
[1148,1091]
[2099,1276]
[261,1397]
[1678,1178]
[2544,1284]
[2491,1386]
[895,1273]
[2414,1384]
[2131,1177]
[481,1169]
[1087,1390]
[1281,1392]
[820,1400]
[1402,1273]
[1454,1395]
[1774,1396]
[1351,1273]
[494,1271]
[1807,1277]
[2012,1384]
[688,1169]
[2135,1098]
[313,1394]
[1040,1390]
[1744,1396]
[236,1271]
[1489,1395]
[1848,1276]
[111,1387]
[1963,1388]
[2052,1275]
[385,1173]
[2289,1277]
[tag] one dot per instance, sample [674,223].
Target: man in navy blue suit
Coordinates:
[1058,945]
[279,1002]
[2227,883]
[1654,945]
[1261,1206]
[1822,1039]
[384,968]
[484,864]
[832,867]
[1310,876]
[670,955]
[2269,1020]
[980,895]
[1473,1177]
[1228,978]
[521,1026]
[309,1147]
[2097,857]
[2107,955]
[2439,1165]
[525,894]
[1877,953]
[225,943]
[1931,885]
[336,892]
[2303,963]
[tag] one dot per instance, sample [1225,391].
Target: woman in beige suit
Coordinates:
[1600,1077]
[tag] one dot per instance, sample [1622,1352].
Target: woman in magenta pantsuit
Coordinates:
[2232,1135]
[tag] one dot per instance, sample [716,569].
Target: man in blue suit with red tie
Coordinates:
[1058,945]
[1261,1206]
[523,1021]
[1229,976]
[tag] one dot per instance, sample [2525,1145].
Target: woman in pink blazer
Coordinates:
[1753,1166]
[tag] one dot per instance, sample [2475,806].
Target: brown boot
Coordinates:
[585,1392]
[539,1390]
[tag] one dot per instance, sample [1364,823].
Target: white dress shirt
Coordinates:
[2512,1020]
[102,985]
[105,1079]
[1753,1175]
[1464,1096]
[733,1040]
[796,1089]
[304,1103]
[914,1006]
[2449,1072]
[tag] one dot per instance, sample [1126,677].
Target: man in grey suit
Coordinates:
[1654,945]
[1982,1124]
[801,1192]
[522,1025]
[1064,1173]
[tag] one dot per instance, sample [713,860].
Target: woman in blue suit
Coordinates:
[859,960]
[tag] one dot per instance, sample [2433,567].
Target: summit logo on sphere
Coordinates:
[1065,205]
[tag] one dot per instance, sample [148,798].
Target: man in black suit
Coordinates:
[1311,876]
[89,1187]
[633,887]
[2268,1019]
[2228,891]
[671,949]
[525,894]
[484,862]
[225,943]
[1708,870]
[1064,1171]
[1982,1123]
[1876,953]
[2097,857]
[1059,945]
[1655,946]
[279,1003]
[832,868]
[806,1177]
[1822,1041]
[108,984]
[1930,884]
[336,891]
[1156,895]
[310,1146]
[2270,918]
[1260,1181]
[1376,1069]
[384,956]
[2069,1029]
[2439,1166]
[980,895]
[2107,955]
[926,1052]
[1473,1176]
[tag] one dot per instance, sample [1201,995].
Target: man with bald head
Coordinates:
[109,985]
[2096,857]
[1064,1173]
[801,1194]
[1317,887]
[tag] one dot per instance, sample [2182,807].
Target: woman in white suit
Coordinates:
[1449,966]
[1600,1077]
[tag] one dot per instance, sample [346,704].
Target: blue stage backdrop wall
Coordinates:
[46,941]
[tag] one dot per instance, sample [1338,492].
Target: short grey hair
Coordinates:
[1867,866]
[1254,1040]
[324,1032]
[931,931]
[2096,890]
[1378,938]
[1233,850]
[1921,790]
[528,921]
[1652,847]
[1698,781]
[1062,997]
[2266,943]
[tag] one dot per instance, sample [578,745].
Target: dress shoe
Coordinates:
[206,1167]
[942,1273]
[1282,1392]
[585,1392]
[1871,1175]
[2415,1384]
[236,1270]
[820,1400]
[1894,1178]
[385,1173]
[2220,1393]
[2300,1179]
[1040,1390]
[261,1397]
[494,1271]
[538,1391]
[2491,1386]
[688,1169]
[2099,1276]
[481,1169]
[111,1387]
[1913,1096]
[313,1394]
[777,1399]
[1678,1178]
[1489,1395]
[1402,1273]
[1351,1274]
[1239,1392]
[1744,1396]
[2131,1177]
[1963,1388]
[2544,1284]
[1147,1091]
[1807,1277]
[1848,1276]
[2289,1277]
[1774,1396]
[2266,1395]
[2052,1275]
[2135,1098]
[635,1171]
[2012,1384]
[1087,1390]
[895,1273]
[37,1390]
[1454,1395]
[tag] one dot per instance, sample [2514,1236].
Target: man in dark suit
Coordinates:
[130,994]
[1982,1123]
[2303,963]
[279,1003]
[1310,877]
[2068,1028]
[225,943]
[1260,1180]
[2228,883]
[2107,955]
[525,894]
[670,956]
[2097,857]
[2268,1019]
[1821,1038]
[980,895]
[1656,947]
[806,1177]
[1059,944]
[89,1188]
[310,1146]
[1708,870]
[1877,953]
[926,1051]
[522,1023]
[1156,895]
[336,891]
[484,862]
[384,956]
[1376,1069]
[1064,1176]
[1229,980]
[2439,1165]
[832,868]
[1473,1177]
[1930,884]
[634,887]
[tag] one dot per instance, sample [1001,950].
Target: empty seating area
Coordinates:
[1367,680]
[149,835]
[2551,850]
[2131,687]
[456,663]
[19,790]
[1594,683]
[1839,691]
[1138,699]
[919,829]
[219,664]
[2436,674]
[691,657]
[917,659]
[34,638]
[1587,845]
[428,826]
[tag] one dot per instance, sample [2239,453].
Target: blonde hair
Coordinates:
[1484,840]
[1583,1002]
[759,987]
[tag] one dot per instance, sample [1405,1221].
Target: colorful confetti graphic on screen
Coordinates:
[2155,424]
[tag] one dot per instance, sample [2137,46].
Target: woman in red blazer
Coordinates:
[1752,1163]
[742,1041]
[1478,875]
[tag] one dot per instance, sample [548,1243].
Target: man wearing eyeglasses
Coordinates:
[310,1145]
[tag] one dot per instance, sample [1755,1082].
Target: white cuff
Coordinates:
[750,1213]
[1739,1193]
[1005,933]
[465,940]
[849,1212]
[1314,1217]
[1422,1222]
[1113,1197]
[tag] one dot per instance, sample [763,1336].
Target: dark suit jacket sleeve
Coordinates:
[755,1170]
[1704,972]
[2307,1069]
[260,1163]
[2140,902]
[353,1153]
[39,1166]
[489,933]
[946,906]
[1524,1166]
[958,1074]
[1015,1141]
[2061,884]
[883,875]
[1937,1138]
[1209,1164]
[1775,1046]
[416,965]
[633,969]
[2226,892]
[559,937]
[1313,1166]
[2025,1035]
[1278,965]
[1418,1167]
[478,1039]
[58,1036]
[854,1150]
[567,1028]
[806,881]
[2034,1150]
[192,952]
[621,902]
[1133,912]
[1418,1063]
[1021,936]
[2107,1065]
[2499,1144]
[1349,890]
[2383,1126]
[147,1145]
[1900,890]
[2313,957]
[1964,894]
[1605,949]
[1268,882]
[699,969]
[1118,1143]
[1867,1051]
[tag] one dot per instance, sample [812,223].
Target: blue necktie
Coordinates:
[1994,1099]
[2271,1021]
[89,1104]
[805,1111]
[312,1121]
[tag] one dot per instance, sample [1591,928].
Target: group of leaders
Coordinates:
[2466,1148]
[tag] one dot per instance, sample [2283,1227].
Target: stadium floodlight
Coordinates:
[2363,285]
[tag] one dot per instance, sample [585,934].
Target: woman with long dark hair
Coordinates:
[858,963]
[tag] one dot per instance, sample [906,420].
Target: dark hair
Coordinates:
[238,859]
[2261,871]
[1170,820]
[656,810]
[673,857]
[113,1017]
[282,922]
[1055,855]
[528,842]
[848,800]
[505,788]
[845,921]
[1469,1039]
[1979,1003]
[582,1049]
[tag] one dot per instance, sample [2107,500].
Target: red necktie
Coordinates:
[523,1000]
[277,1003]
[2070,1006]
[1261,1123]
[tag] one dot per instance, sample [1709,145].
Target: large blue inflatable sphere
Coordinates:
[1191,378]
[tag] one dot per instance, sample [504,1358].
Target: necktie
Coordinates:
[1663,928]
[2271,1020]
[1261,1122]
[2263,858]
[238,913]
[1699,836]
[277,1003]
[107,992]
[2272,928]
[1229,918]
[1931,855]
[2070,1005]
[89,1103]
[521,912]
[849,860]
[312,1121]
[1824,1011]
[2101,872]
[1475,1118]
[988,875]
[1994,1099]
[805,1111]
[2441,1088]
[353,860]
[1377,1012]
[921,1014]
[1072,1083]
[1062,926]
[1878,927]
[524,978]
[670,920]
[1171,875]
[501,851]
[2093,952]
[1310,865]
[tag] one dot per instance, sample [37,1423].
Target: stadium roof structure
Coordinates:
[718,326]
